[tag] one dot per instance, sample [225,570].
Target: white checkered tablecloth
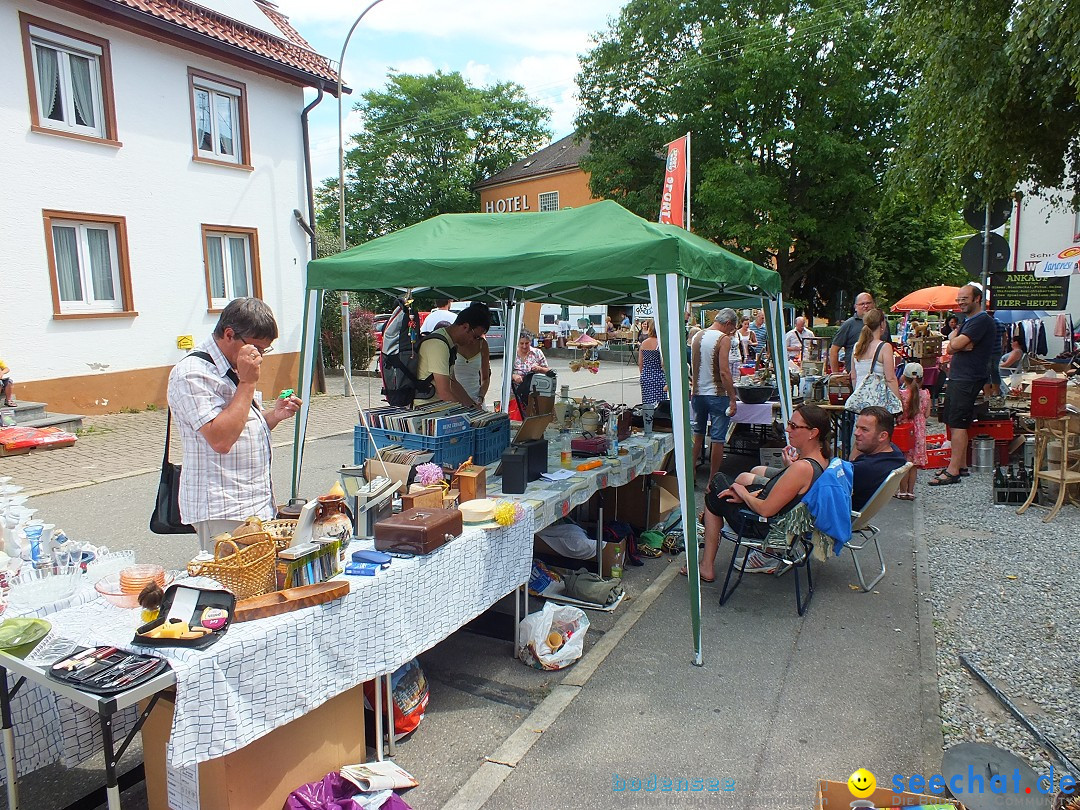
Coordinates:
[553,500]
[49,727]
[266,673]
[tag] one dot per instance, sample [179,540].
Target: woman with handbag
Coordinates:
[873,370]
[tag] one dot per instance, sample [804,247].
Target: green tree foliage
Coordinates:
[994,102]
[911,247]
[426,141]
[789,103]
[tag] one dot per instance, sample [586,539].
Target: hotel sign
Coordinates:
[507,205]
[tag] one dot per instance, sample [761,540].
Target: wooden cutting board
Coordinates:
[288,600]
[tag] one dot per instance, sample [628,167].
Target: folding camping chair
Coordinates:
[789,542]
[866,532]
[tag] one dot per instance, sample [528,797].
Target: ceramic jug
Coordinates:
[333,518]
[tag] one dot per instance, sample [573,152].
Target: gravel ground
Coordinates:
[1004,595]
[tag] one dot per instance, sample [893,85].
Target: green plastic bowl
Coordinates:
[18,637]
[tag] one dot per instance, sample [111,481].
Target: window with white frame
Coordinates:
[67,82]
[231,265]
[218,110]
[87,266]
[548,201]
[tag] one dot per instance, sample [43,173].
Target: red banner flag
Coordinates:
[673,199]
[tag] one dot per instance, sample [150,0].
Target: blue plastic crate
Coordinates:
[490,441]
[449,451]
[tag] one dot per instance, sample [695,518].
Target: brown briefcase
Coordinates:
[418,531]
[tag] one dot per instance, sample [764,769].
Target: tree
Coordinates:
[994,103]
[913,246]
[790,105]
[427,140]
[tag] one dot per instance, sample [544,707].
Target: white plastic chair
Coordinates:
[862,529]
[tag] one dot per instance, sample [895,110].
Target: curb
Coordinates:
[933,736]
[486,779]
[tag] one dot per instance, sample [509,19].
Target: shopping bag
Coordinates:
[332,792]
[873,390]
[409,688]
[166,515]
[553,638]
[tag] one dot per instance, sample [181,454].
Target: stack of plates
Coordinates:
[137,577]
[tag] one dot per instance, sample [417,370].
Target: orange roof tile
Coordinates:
[290,50]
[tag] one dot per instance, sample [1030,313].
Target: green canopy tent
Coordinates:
[597,254]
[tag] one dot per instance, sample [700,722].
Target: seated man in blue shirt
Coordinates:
[874,456]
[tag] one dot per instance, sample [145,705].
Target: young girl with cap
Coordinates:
[916,401]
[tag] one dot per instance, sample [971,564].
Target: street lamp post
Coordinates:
[346,349]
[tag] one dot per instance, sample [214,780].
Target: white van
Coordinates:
[496,336]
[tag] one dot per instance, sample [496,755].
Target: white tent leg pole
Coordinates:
[308,358]
[668,293]
[777,350]
[515,314]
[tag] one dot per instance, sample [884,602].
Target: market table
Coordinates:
[264,674]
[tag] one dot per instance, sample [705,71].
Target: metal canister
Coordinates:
[1029,451]
[982,454]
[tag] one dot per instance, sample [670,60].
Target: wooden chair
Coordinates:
[866,533]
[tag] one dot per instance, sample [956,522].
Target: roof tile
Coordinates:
[563,154]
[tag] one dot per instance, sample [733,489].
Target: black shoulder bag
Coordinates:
[166,516]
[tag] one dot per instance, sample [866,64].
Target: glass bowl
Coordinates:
[18,637]
[34,588]
[136,577]
[109,587]
[112,563]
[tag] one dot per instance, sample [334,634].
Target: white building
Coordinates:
[155,156]
[1046,241]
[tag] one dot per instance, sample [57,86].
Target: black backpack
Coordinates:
[399,359]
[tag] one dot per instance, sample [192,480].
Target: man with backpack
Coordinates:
[438,351]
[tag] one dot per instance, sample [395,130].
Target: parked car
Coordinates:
[496,336]
[378,325]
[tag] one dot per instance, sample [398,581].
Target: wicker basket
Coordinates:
[246,571]
[280,531]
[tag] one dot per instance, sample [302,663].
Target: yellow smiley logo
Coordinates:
[861,783]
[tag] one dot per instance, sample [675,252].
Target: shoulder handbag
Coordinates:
[873,390]
[166,515]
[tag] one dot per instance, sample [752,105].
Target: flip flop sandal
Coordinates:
[964,472]
[944,480]
[686,573]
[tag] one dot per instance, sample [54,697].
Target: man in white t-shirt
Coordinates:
[712,391]
[439,317]
[793,338]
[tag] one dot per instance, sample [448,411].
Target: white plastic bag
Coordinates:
[536,629]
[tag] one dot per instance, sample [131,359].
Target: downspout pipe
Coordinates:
[309,226]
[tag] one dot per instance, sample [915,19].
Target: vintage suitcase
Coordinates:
[418,531]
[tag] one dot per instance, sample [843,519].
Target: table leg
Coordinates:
[378,720]
[390,748]
[517,618]
[9,743]
[112,789]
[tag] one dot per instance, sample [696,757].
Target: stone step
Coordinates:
[25,411]
[71,422]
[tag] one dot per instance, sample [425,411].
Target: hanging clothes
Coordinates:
[1061,327]
[1040,343]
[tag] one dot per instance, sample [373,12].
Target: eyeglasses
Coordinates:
[794,426]
[259,349]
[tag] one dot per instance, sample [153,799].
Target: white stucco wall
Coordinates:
[1043,232]
[165,197]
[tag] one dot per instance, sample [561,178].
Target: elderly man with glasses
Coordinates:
[848,334]
[224,429]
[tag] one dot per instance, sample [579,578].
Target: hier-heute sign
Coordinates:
[1022,290]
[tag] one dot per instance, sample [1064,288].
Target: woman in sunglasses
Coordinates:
[810,437]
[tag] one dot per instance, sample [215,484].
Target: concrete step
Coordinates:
[71,422]
[25,411]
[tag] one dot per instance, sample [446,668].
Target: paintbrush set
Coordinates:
[106,670]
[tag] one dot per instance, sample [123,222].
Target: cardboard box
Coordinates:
[398,473]
[614,553]
[833,795]
[629,503]
[260,776]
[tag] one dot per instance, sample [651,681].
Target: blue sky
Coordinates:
[535,44]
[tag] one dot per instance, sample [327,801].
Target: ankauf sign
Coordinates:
[1025,290]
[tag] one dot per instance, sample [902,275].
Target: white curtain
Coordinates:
[238,266]
[225,123]
[48,84]
[101,271]
[82,90]
[66,251]
[215,266]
